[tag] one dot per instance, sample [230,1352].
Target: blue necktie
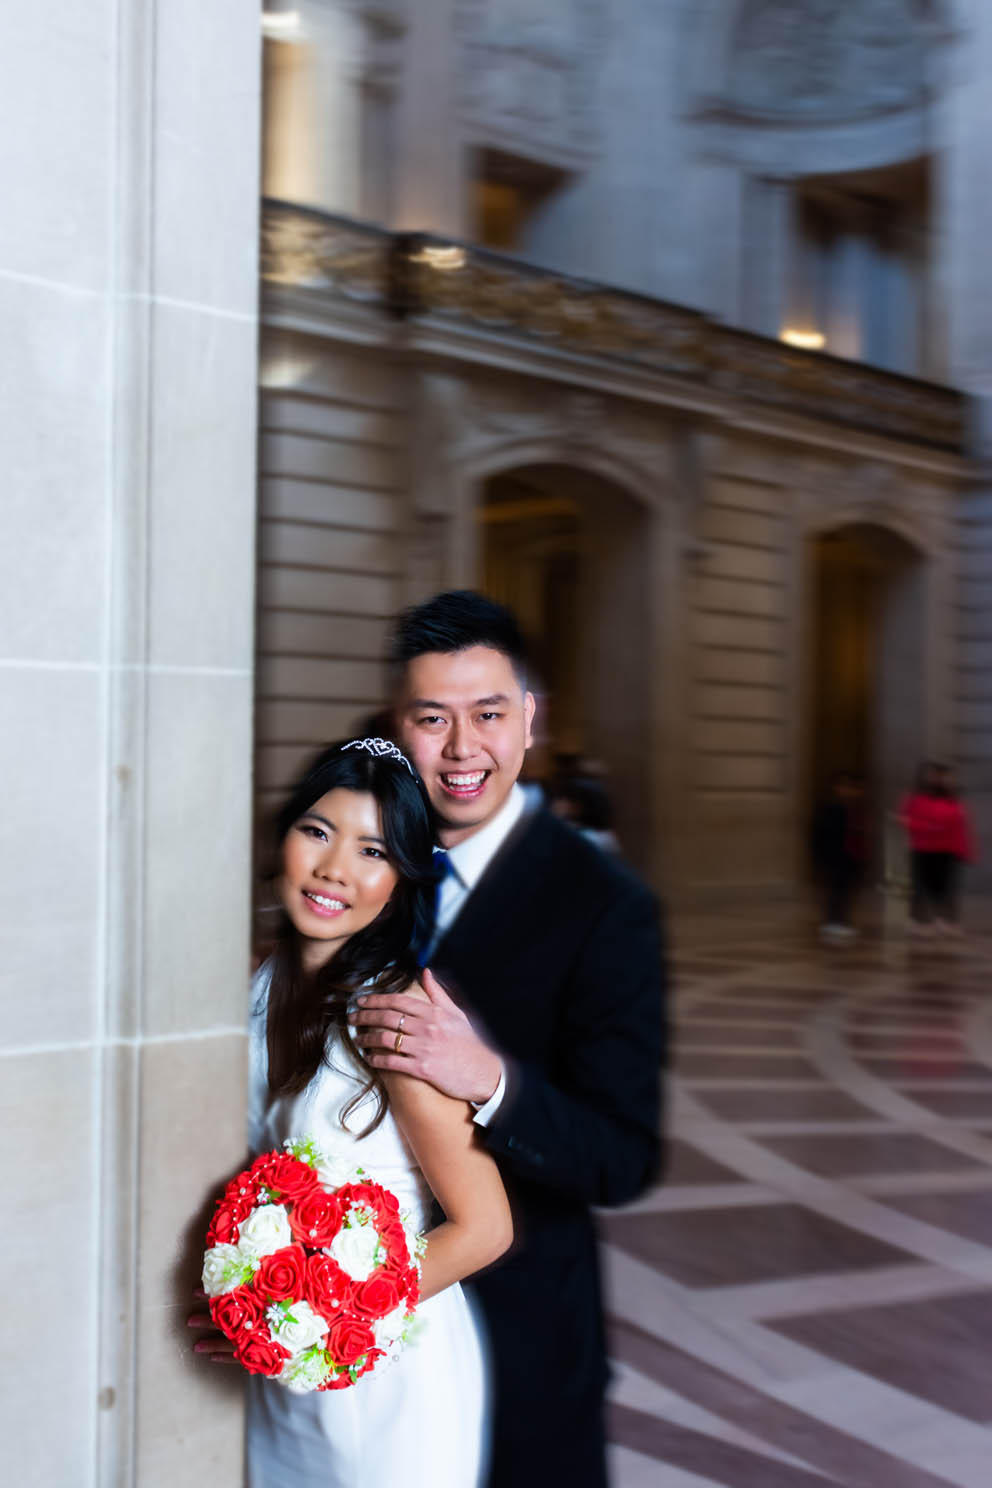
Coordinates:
[443,870]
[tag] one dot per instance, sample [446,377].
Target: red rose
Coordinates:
[259,1353]
[411,1286]
[390,1201]
[243,1188]
[237,1312]
[393,1236]
[280,1276]
[227,1221]
[373,1357]
[315,1218]
[325,1286]
[367,1194]
[337,1382]
[288,1177]
[377,1296]
[349,1338]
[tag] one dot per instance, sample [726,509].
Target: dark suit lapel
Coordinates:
[484,927]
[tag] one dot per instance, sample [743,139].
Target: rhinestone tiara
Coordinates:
[382,748]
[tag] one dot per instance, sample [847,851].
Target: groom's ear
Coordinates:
[530,708]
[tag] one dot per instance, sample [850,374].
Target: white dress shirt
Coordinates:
[467,861]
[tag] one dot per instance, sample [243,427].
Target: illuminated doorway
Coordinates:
[570,552]
[867,665]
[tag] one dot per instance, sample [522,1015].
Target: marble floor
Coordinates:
[807,1297]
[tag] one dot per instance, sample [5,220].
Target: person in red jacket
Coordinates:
[956,839]
[940,840]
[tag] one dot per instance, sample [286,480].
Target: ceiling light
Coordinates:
[440,256]
[280,24]
[806,340]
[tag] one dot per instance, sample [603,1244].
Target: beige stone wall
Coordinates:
[128,281]
[741,636]
[332,426]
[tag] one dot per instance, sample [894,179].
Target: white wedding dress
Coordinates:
[422,1422]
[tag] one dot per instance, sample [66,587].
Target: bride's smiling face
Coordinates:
[336,875]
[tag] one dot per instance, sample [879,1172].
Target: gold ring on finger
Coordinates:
[399,1040]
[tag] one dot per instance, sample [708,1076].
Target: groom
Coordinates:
[554,951]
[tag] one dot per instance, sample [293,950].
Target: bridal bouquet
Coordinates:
[311,1271]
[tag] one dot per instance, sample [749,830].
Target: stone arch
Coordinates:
[865,140]
[767,138]
[907,527]
[870,607]
[604,461]
[629,582]
[828,61]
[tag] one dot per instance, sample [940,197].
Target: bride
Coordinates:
[357,888]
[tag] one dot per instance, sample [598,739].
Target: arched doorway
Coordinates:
[570,552]
[867,694]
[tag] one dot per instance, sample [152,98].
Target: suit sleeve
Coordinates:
[592,1131]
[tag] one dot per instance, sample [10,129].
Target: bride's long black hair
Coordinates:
[305,1009]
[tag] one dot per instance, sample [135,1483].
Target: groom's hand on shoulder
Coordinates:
[422,1032]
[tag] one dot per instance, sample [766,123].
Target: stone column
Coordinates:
[128,282]
[964,213]
[964,207]
[766,267]
[430,172]
[314,57]
[849,271]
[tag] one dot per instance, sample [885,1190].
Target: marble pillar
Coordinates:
[128,280]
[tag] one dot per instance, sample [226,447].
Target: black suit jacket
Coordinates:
[557,952]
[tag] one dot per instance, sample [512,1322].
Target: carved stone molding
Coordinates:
[843,493]
[385,24]
[564,312]
[472,291]
[311,251]
[824,387]
[502,423]
[531,72]
[821,60]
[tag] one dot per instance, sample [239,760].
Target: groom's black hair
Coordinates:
[455,621]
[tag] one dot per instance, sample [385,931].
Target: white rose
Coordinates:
[304,1373]
[389,1330]
[224,1268]
[295,1325]
[265,1231]
[354,1248]
[333,1171]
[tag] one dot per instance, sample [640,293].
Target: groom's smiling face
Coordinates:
[465,720]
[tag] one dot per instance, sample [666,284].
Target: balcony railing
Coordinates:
[416,275]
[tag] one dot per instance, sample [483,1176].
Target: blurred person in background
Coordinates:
[839,847]
[940,840]
[580,797]
[959,844]
[553,950]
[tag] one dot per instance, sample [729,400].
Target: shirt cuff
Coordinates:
[485,1113]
